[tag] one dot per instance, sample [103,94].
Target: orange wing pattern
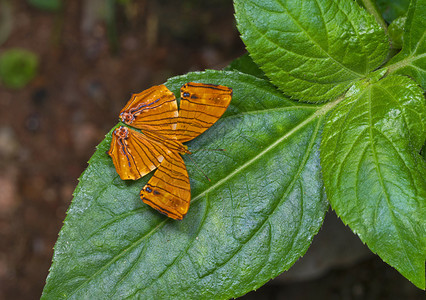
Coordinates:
[154,111]
[201,105]
[168,190]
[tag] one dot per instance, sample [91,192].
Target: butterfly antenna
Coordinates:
[199,169]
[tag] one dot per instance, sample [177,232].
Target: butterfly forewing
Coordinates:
[201,105]
[154,109]
[134,154]
[168,190]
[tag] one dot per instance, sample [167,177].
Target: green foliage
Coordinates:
[411,60]
[312,52]
[266,199]
[374,175]
[246,65]
[17,67]
[48,5]
[243,228]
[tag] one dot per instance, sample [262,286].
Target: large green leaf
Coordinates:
[256,217]
[412,58]
[374,176]
[311,50]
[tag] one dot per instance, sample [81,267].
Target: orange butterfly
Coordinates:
[155,112]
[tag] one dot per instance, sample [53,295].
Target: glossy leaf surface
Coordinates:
[311,50]
[374,175]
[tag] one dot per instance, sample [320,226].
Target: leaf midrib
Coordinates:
[406,62]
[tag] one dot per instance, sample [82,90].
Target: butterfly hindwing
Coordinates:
[168,190]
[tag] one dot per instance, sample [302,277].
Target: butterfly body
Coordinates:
[160,144]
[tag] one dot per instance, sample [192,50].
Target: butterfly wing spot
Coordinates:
[148,189]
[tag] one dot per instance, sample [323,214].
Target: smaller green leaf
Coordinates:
[17,67]
[246,65]
[375,178]
[411,60]
[314,51]
[396,31]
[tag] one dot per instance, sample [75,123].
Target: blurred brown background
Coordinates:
[92,56]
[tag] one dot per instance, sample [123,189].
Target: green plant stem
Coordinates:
[372,8]
[403,63]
